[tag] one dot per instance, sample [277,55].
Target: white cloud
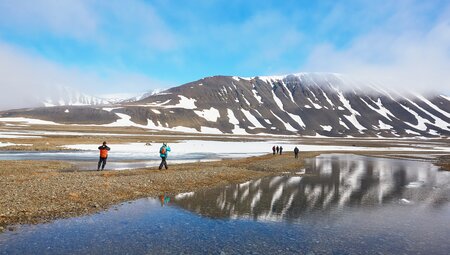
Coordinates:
[72,18]
[25,79]
[396,54]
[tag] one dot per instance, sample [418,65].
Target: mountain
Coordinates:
[311,104]
[64,96]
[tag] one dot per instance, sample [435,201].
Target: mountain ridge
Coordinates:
[306,104]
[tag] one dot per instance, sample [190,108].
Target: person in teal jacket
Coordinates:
[163,151]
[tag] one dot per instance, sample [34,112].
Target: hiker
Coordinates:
[278,149]
[163,154]
[103,156]
[281,149]
[296,150]
[273,149]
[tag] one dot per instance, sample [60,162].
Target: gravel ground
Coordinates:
[444,162]
[39,191]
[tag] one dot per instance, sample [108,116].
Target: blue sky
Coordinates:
[105,47]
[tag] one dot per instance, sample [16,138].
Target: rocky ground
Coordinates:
[38,191]
[444,162]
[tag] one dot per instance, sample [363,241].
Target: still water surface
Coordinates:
[338,204]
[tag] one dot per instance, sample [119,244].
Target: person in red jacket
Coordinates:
[103,156]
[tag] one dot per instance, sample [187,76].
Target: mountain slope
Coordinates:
[314,104]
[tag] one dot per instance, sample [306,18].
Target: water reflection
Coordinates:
[330,184]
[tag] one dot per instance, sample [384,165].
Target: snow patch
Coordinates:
[233,120]
[28,121]
[326,127]
[286,125]
[383,125]
[211,114]
[252,119]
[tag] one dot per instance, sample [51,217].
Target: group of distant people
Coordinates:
[104,150]
[279,150]
[163,153]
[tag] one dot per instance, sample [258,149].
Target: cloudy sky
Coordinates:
[106,47]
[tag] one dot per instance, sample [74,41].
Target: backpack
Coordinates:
[162,150]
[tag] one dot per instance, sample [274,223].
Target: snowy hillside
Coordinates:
[308,104]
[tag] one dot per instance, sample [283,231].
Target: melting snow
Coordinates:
[28,121]
[343,123]
[233,120]
[326,127]
[211,114]
[411,132]
[186,103]
[317,106]
[252,119]
[155,111]
[383,125]
[382,110]
[351,118]
[277,100]
[420,121]
[286,125]
[428,102]
[257,96]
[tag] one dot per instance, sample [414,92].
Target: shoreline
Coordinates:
[42,191]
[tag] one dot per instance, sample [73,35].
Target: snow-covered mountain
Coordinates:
[312,104]
[64,96]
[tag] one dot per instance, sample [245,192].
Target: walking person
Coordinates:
[163,154]
[273,150]
[296,150]
[281,149]
[103,156]
[278,149]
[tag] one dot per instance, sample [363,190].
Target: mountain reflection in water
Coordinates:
[329,185]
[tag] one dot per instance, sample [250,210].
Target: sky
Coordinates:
[109,47]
